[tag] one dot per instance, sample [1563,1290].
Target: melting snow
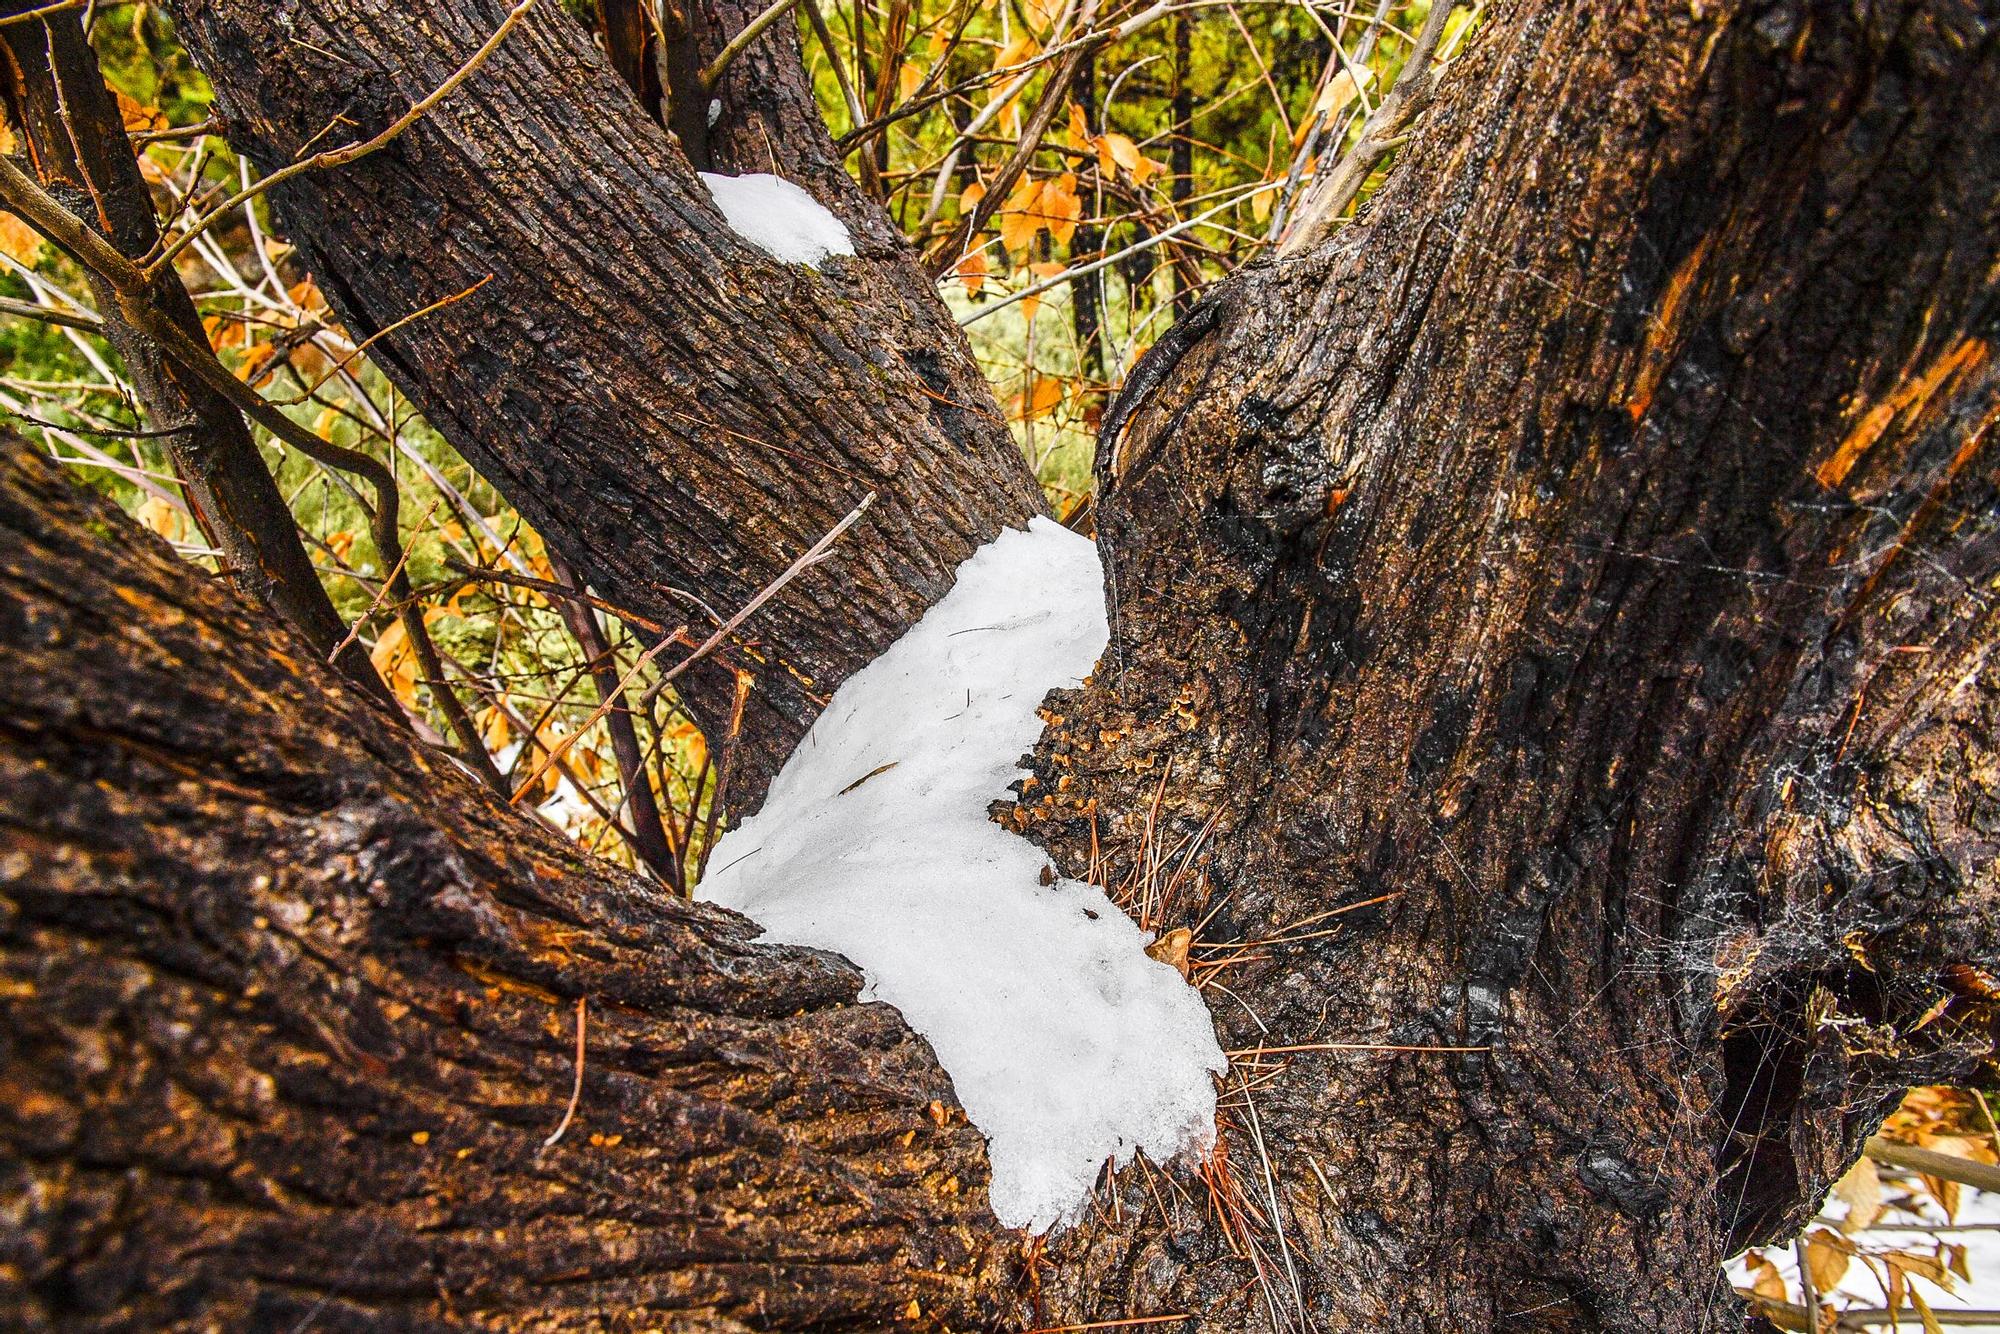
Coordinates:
[1066,1043]
[778,217]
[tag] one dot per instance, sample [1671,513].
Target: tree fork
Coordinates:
[673,410]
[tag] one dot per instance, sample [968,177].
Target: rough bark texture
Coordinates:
[1595,548]
[288,1008]
[1582,570]
[675,411]
[75,141]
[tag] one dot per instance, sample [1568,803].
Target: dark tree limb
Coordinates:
[631,44]
[76,144]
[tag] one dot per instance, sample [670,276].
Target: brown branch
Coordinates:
[75,137]
[648,835]
[1381,133]
[131,287]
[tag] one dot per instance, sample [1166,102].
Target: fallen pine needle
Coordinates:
[1111,1324]
[576,1090]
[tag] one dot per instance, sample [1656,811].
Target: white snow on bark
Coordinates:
[1067,1045]
[778,217]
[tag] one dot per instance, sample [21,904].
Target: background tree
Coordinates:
[1576,572]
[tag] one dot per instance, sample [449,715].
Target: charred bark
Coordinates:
[1595,550]
[289,1008]
[1579,575]
[674,410]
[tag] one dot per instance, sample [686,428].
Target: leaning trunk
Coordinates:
[678,413]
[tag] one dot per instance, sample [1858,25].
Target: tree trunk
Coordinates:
[1594,550]
[1578,575]
[675,411]
[289,1011]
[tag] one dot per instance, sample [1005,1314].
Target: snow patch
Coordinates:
[778,217]
[1066,1043]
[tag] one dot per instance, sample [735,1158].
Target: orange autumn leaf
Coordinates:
[18,240]
[1044,398]
[972,272]
[1018,220]
[138,117]
[396,662]
[1115,151]
[163,517]
[250,369]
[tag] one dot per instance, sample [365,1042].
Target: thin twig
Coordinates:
[1254,1052]
[712,72]
[1383,130]
[68,319]
[576,1089]
[811,558]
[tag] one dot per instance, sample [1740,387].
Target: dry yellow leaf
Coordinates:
[139,118]
[972,272]
[1338,92]
[1044,397]
[1172,948]
[1021,48]
[396,662]
[1765,1280]
[1124,153]
[1861,1191]
[495,729]
[1931,1325]
[1019,220]
[1827,1256]
[164,517]
[18,240]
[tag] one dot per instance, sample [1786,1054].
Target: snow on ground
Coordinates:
[1066,1043]
[778,217]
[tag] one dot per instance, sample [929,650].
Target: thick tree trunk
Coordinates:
[1579,575]
[675,411]
[1595,551]
[289,1009]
